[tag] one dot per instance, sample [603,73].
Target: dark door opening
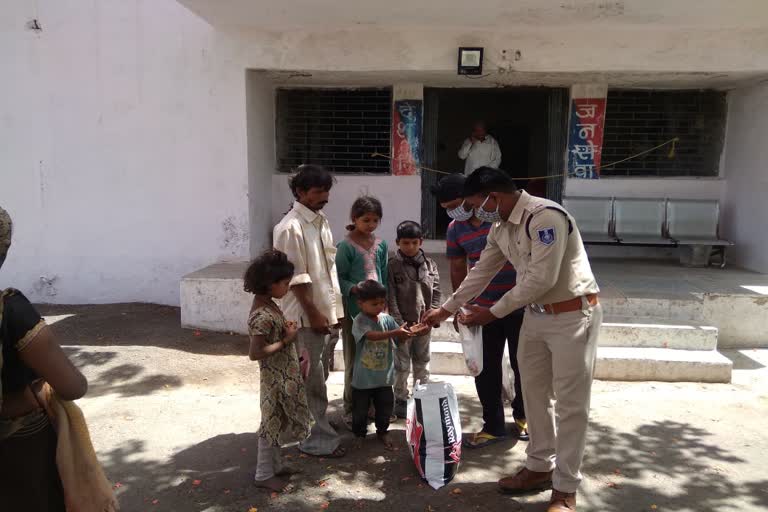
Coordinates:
[518,118]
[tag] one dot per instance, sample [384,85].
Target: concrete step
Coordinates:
[662,364]
[613,363]
[654,333]
[633,332]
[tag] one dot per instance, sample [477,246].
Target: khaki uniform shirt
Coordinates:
[552,265]
[305,236]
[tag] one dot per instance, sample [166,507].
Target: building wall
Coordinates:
[746,158]
[400,197]
[687,188]
[125,153]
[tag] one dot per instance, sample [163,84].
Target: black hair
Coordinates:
[449,188]
[370,290]
[271,267]
[409,229]
[485,180]
[363,205]
[310,176]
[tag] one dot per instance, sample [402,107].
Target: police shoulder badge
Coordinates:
[547,236]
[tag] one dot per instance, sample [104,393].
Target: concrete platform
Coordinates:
[655,312]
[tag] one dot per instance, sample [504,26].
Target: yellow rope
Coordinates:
[564,174]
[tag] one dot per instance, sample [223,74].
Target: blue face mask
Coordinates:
[487,216]
[460,213]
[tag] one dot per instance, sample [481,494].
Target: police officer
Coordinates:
[558,339]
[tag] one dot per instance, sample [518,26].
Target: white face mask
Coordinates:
[460,213]
[487,216]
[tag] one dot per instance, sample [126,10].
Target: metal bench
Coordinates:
[640,221]
[594,216]
[693,224]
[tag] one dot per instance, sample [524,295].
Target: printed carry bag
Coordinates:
[433,432]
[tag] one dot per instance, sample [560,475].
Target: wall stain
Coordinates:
[235,235]
[46,286]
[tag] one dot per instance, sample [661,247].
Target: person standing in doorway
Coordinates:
[558,339]
[480,149]
[314,299]
[465,240]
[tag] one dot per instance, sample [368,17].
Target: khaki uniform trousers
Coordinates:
[557,361]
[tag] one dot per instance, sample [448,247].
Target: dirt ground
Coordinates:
[173,415]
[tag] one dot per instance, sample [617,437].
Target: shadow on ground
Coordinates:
[123,380]
[669,465]
[138,325]
[742,361]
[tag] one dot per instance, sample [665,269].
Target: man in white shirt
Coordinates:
[480,150]
[314,300]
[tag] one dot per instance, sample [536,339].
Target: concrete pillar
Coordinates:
[260,107]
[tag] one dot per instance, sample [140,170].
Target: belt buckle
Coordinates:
[537,308]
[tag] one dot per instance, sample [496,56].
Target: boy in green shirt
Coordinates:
[373,376]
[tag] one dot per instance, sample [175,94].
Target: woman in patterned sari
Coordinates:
[284,407]
[29,478]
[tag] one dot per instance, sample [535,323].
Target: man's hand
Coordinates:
[476,316]
[318,322]
[435,316]
[420,329]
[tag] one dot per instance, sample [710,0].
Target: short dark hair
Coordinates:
[449,188]
[370,290]
[485,180]
[409,229]
[363,205]
[271,267]
[310,176]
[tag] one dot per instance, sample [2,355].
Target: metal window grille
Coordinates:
[337,128]
[638,120]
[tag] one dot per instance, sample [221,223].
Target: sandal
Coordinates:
[481,439]
[522,430]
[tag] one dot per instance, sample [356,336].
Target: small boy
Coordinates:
[413,287]
[374,333]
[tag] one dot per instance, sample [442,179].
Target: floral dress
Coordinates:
[283,398]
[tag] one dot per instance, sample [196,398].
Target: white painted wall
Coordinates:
[746,161]
[400,197]
[694,188]
[260,95]
[123,154]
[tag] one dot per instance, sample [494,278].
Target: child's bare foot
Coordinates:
[386,441]
[357,443]
[274,484]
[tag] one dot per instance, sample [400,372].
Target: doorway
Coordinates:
[520,119]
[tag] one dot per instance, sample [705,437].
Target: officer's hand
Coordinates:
[434,316]
[476,315]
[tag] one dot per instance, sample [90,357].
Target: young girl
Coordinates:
[360,257]
[283,398]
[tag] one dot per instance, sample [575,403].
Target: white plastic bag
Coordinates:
[472,344]
[433,432]
[507,376]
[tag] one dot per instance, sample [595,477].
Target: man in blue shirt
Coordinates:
[465,240]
